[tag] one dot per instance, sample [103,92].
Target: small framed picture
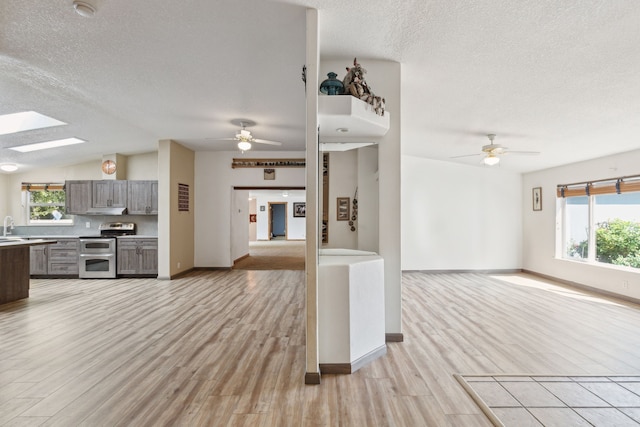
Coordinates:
[269,174]
[342,213]
[299,210]
[537,198]
[253,218]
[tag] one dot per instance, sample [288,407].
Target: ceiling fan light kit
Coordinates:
[493,152]
[244,146]
[244,138]
[491,160]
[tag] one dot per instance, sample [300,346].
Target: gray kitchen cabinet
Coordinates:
[58,259]
[138,257]
[142,197]
[63,257]
[77,197]
[38,260]
[109,194]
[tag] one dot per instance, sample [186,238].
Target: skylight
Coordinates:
[27,120]
[47,144]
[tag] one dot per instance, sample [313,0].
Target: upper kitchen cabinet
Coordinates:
[109,194]
[78,197]
[143,197]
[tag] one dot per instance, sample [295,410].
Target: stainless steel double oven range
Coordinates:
[98,254]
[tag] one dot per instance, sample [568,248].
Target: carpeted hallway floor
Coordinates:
[273,255]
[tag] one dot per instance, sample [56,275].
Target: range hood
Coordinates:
[106,211]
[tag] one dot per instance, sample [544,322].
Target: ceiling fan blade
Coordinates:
[264,141]
[525,153]
[221,139]
[466,155]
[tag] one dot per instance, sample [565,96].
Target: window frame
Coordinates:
[28,188]
[562,238]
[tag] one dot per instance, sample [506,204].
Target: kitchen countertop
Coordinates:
[68,236]
[48,236]
[18,241]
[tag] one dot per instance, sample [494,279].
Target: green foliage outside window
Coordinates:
[46,205]
[617,242]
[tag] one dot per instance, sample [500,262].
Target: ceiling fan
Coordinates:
[244,137]
[492,152]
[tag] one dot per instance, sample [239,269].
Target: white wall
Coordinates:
[214,182]
[384,79]
[296,227]
[239,221]
[540,226]
[458,217]
[343,180]
[368,195]
[253,226]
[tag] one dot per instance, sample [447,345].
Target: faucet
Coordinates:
[8,225]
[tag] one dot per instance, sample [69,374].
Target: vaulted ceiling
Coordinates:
[555,77]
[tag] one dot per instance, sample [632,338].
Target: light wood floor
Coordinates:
[227,348]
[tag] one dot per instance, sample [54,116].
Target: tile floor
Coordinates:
[549,401]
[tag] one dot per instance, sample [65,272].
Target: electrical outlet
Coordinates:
[625,284]
[88,224]
[178,264]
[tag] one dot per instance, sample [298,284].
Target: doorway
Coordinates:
[277,220]
[252,248]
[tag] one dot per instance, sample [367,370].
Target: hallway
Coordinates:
[275,254]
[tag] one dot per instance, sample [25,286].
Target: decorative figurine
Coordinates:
[355,85]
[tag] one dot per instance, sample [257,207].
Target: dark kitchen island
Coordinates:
[14,267]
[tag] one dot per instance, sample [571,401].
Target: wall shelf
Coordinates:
[348,112]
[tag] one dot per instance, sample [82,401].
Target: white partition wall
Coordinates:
[459,217]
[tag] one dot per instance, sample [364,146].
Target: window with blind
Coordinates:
[601,221]
[45,203]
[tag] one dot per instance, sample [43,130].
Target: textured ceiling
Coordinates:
[548,76]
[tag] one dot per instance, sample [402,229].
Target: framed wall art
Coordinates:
[269,174]
[299,209]
[537,198]
[342,213]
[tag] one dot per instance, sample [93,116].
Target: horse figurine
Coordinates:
[356,85]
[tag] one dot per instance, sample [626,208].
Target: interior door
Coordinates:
[278,220]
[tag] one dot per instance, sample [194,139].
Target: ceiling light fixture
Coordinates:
[491,160]
[84,9]
[9,167]
[244,146]
[47,144]
[285,194]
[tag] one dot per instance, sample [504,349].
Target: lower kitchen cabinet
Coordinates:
[38,260]
[138,257]
[56,260]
